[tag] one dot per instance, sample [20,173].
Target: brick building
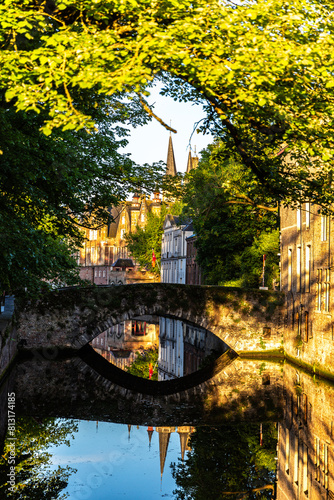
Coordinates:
[103,247]
[193,270]
[307,246]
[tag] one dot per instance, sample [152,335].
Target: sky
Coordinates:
[149,143]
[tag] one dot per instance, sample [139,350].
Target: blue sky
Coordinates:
[113,465]
[149,143]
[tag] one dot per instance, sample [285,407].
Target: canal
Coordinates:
[254,429]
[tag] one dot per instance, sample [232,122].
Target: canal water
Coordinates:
[256,429]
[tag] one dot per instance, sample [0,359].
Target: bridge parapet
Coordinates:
[247,320]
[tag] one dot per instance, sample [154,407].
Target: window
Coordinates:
[307,267]
[324,227]
[298,323]
[299,217]
[304,408]
[289,269]
[325,480]
[92,255]
[317,459]
[307,215]
[123,219]
[287,451]
[92,234]
[299,268]
[306,331]
[122,234]
[305,467]
[296,461]
[138,328]
[327,289]
[319,289]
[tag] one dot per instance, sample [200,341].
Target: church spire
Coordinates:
[192,161]
[171,166]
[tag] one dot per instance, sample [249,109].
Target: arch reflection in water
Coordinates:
[161,348]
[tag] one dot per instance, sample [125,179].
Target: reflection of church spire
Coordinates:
[184,433]
[164,436]
[150,431]
[171,165]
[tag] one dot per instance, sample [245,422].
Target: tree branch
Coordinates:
[150,112]
[255,205]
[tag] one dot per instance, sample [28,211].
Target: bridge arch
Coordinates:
[246,320]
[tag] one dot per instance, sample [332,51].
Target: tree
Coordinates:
[234,218]
[263,70]
[51,186]
[146,239]
[227,463]
[252,257]
[34,478]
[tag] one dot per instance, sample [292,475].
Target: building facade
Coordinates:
[193,270]
[103,247]
[174,250]
[307,250]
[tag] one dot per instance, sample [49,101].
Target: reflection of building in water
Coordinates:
[171,355]
[183,347]
[184,432]
[119,343]
[164,436]
[306,439]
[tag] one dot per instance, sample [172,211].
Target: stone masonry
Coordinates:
[246,320]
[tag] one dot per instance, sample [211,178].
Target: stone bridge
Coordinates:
[248,321]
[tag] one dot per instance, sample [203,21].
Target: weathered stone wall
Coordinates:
[247,320]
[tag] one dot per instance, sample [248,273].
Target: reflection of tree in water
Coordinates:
[228,462]
[140,367]
[34,478]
